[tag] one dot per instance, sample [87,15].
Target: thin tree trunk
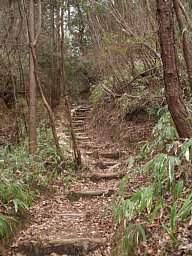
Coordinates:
[58,50]
[150,15]
[49,111]
[53,71]
[55,63]
[32,85]
[32,45]
[185,41]
[178,110]
[185,15]
[77,153]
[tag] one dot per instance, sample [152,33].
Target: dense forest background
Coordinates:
[131,61]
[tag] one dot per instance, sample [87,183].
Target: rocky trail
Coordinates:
[71,223]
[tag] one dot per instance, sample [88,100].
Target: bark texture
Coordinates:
[185,41]
[178,110]
[32,84]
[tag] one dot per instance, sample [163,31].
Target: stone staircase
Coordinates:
[71,223]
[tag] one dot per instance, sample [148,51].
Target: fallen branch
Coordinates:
[135,78]
[108,91]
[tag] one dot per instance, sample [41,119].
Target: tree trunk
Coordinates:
[32,86]
[150,15]
[55,62]
[76,150]
[178,110]
[185,40]
[37,80]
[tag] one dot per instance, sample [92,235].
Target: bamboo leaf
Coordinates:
[142,231]
[173,217]
[186,212]
[154,212]
[177,190]
[130,162]
[149,165]
[187,155]
[171,168]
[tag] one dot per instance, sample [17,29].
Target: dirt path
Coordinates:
[71,222]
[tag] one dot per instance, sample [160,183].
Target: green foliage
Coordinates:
[132,236]
[167,158]
[164,129]
[183,212]
[164,134]
[21,176]
[77,76]
[96,94]
[125,103]
[5,225]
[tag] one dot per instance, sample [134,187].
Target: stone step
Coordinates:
[90,145]
[81,134]
[79,114]
[80,107]
[110,155]
[82,110]
[105,165]
[79,118]
[77,124]
[110,164]
[76,195]
[83,138]
[79,130]
[76,246]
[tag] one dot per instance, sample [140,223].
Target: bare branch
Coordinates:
[39,24]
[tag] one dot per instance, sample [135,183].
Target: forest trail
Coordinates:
[71,222]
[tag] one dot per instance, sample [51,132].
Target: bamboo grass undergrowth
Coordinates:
[164,198]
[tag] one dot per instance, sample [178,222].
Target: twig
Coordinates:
[141,74]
